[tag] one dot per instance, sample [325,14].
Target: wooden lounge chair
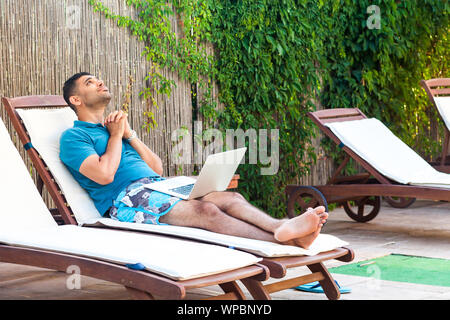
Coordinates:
[366,141]
[277,265]
[438,91]
[147,265]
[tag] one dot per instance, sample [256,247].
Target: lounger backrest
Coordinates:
[443,106]
[45,128]
[321,117]
[438,91]
[371,140]
[20,203]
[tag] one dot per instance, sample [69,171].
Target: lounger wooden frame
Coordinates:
[437,88]
[277,267]
[360,187]
[139,284]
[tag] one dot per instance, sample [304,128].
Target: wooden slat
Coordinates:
[406,191]
[38,100]
[337,113]
[291,283]
[440,92]
[438,82]
[258,272]
[340,119]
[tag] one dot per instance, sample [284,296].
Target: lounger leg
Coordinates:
[338,170]
[328,285]
[138,294]
[256,289]
[234,288]
[349,256]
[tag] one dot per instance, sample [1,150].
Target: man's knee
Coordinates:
[207,209]
[224,196]
[210,216]
[192,212]
[237,196]
[232,199]
[209,213]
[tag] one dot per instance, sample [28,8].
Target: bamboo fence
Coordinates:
[42,43]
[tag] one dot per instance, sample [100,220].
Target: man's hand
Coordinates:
[127,131]
[116,123]
[103,169]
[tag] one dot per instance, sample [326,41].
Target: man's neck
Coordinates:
[91,115]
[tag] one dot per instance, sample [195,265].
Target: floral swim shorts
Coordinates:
[141,205]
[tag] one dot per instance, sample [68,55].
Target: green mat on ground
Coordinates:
[401,268]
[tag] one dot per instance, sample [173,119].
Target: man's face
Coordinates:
[92,91]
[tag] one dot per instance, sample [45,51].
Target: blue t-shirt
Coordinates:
[85,139]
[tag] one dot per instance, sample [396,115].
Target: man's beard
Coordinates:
[102,101]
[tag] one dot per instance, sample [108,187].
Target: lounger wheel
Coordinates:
[399,202]
[303,198]
[367,208]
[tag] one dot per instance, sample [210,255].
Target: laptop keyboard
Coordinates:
[184,190]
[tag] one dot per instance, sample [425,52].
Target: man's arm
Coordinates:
[102,169]
[152,160]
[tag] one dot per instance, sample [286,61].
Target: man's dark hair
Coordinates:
[69,87]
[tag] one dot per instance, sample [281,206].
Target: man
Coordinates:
[108,160]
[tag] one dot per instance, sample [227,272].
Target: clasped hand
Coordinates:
[117,124]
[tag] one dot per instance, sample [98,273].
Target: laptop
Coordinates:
[215,175]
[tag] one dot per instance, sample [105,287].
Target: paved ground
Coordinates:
[422,230]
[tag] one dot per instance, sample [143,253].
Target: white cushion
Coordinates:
[324,242]
[21,203]
[443,106]
[45,127]
[376,144]
[173,258]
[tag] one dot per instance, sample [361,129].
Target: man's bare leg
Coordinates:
[206,215]
[235,205]
[304,228]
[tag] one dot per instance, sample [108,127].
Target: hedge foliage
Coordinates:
[379,70]
[268,69]
[276,59]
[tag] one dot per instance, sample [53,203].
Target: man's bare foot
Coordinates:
[302,225]
[321,212]
[307,241]
[323,217]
